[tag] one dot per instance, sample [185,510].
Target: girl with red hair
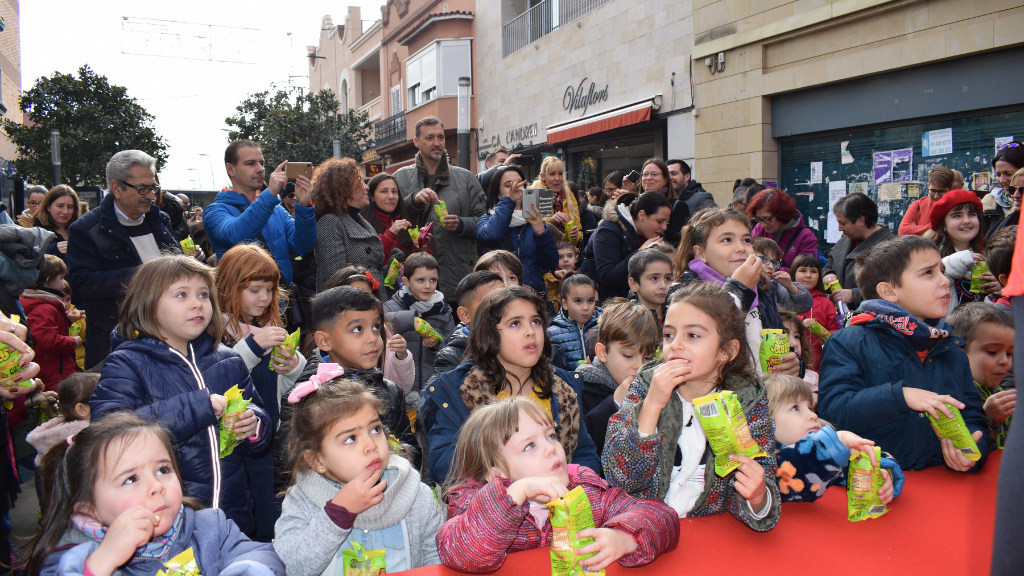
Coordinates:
[777,218]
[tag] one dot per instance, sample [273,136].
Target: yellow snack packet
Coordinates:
[862,486]
[956,430]
[722,418]
[976,281]
[774,345]
[183,564]
[9,358]
[394,270]
[188,247]
[569,515]
[359,561]
[76,328]
[441,210]
[571,209]
[425,330]
[286,348]
[820,331]
[236,405]
[833,286]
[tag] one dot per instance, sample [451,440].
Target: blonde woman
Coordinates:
[552,177]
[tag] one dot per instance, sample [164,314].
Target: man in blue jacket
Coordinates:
[106,245]
[249,212]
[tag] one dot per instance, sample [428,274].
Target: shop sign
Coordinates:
[580,98]
[374,169]
[371,156]
[512,137]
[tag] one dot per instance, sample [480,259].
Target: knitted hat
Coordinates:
[951,200]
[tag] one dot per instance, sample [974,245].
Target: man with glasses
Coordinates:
[106,245]
[916,220]
[33,197]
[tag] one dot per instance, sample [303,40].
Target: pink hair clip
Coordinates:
[325,372]
[71,439]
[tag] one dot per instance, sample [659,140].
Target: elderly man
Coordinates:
[106,245]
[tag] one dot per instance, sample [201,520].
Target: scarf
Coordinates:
[921,335]
[517,218]
[434,306]
[709,274]
[440,175]
[159,548]
[44,293]
[597,373]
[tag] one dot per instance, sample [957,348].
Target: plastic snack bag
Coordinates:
[425,330]
[976,281]
[286,348]
[722,418]
[571,209]
[862,486]
[394,271]
[774,345]
[76,329]
[441,210]
[361,562]
[183,564]
[956,430]
[569,515]
[236,405]
[833,286]
[9,358]
[188,247]
[820,331]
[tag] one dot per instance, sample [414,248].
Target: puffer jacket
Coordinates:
[48,321]
[159,383]
[226,226]
[465,384]
[537,252]
[606,257]
[403,319]
[571,337]
[454,349]
[461,192]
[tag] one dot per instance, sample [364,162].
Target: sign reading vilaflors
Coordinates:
[576,99]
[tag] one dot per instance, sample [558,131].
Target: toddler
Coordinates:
[578,315]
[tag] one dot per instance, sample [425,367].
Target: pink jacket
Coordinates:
[485,524]
[50,433]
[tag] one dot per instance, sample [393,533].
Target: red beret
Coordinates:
[951,200]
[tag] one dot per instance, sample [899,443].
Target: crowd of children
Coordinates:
[332,457]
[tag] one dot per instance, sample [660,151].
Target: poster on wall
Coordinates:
[882,167]
[890,191]
[816,172]
[902,165]
[980,181]
[913,190]
[859,188]
[844,153]
[936,142]
[770,183]
[836,190]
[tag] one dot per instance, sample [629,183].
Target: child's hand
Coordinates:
[954,458]
[1000,405]
[666,379]
[131,529]
[846,295]
[610,545]
[927,401]
[219,403]
[245,426]
[431,342]
[75,315]
[857,444]
[543,489]
[270,337]
[285,364]
[399,346]
[750,482]
[786,280]
[360,494]
[749,273]
[623,389]
[808,323]
[561,274]
[790,365]
[886,491]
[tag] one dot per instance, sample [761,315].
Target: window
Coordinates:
[455,62]
[435,70]
[421,76]
[396,99]
[344,95]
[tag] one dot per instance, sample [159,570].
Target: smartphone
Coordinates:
[296,169]
[541,199]
[633,176]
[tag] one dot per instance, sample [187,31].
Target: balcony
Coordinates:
[543,19]
[390,130]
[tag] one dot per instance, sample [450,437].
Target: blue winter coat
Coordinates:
[606,257]
[451,412]
[863,373]
[158,383]
[218,546]
[284,235]
[537,252]
[567,334]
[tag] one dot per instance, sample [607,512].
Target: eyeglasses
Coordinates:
[142,189]
[767,260]
[1012,190]
[765,220]
[651,174]
[292,195]
[937,192]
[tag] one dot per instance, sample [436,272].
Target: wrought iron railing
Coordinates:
[543,19]
[390,130]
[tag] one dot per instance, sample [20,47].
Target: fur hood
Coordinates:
[619,214]
[476,392]
[50,433]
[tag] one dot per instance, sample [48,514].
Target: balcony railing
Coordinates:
[390,130]
[543,19]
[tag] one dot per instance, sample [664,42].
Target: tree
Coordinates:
[95,119]
[300,126]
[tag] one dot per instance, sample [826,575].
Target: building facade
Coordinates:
[604,84]
[10,93]
[829,98]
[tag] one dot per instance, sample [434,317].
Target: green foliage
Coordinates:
[96,120]
[300,126]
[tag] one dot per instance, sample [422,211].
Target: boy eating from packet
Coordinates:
[896,360]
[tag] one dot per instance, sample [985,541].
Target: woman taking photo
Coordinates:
[506,227]
[387,214]
[777,218]
[654,178]
[58,210]
[631,224]
[343,236]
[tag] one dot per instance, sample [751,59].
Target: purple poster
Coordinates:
[902,165]
[882,162]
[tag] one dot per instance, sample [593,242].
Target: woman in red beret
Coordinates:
[959,230]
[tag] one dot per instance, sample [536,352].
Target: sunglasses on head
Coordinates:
[1013,144]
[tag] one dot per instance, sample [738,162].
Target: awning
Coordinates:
[391,168]
[617,118]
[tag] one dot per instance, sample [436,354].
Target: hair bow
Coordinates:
[325,372]
[374,285]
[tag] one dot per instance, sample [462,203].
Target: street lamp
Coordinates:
[55,155]
[463,132]
[213,180]
[337,148]
[198,178]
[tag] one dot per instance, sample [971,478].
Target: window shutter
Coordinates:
[396,99]
[455,62]
[428,70]
[413,72]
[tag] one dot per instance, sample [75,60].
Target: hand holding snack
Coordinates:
[666,379]
[235,414]
[540,488]
[451,222]
[394,271]
[783,278]
[609,545]
[399,346]
[750,481]
[286,348]
[844,295]
[270,337]
[955,457]
[885,493]
[75,315]
[219,403]
[431,342]
[131,529]
[425,196]
[857,444]
[365,491]
[749,273]
[828,279]
[399,225]
[245,426]
[920,400]
[725,424]
[286,364]
[1001,405]
[865,486]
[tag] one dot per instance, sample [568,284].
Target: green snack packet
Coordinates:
[76,329]
[425,330]
[833,286]
[188,247]
[569,515]
[236,405]
[9,358]
[183,564]
[361,562]
[394,270]
[956,430]
[820,331]
[414,233]
[722,418]
[441,210]
[976,281]
[862,486]
[774,345]
[286,348]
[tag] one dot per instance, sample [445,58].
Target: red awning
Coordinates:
[632,114]
[392,168]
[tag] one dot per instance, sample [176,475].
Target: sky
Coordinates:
[161,53]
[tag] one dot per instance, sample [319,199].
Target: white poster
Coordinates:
[836,190]
[816,172]
[1002,141]
[937,142]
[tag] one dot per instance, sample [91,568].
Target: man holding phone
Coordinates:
[250,212]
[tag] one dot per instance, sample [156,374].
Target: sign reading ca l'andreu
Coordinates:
[576,99]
